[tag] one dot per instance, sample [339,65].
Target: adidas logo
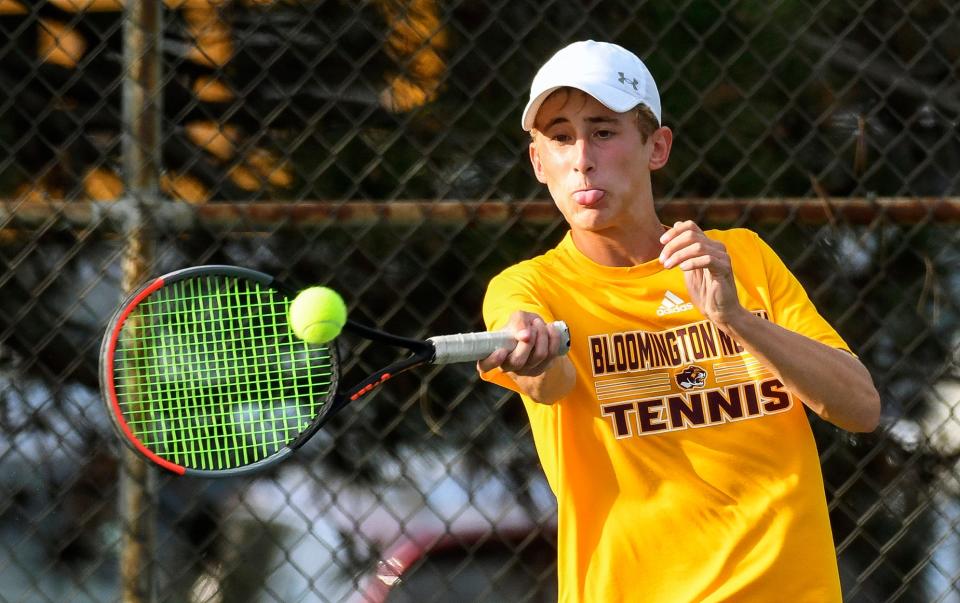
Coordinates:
[672,304]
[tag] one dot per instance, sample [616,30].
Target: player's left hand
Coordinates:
[707,270]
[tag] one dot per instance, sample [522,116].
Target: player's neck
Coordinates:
[621,246]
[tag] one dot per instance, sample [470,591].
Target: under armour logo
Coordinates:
[633,81]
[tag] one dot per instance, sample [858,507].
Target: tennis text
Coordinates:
[700,409]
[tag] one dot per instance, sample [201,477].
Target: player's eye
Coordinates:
[604,134]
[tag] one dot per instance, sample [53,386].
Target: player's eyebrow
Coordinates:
[553,122]
[600,119]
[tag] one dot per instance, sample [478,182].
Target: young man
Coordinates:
[673,433]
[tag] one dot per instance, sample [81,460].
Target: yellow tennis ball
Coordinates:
[317,314]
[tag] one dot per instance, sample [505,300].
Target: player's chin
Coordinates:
[589,219]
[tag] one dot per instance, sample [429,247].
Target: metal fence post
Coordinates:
[142,96]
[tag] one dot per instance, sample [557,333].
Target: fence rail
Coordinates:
[54,215]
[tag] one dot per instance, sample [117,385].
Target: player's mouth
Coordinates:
[588,197]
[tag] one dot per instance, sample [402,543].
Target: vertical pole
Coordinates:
[142,96]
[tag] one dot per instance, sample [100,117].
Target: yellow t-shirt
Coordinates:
[683,470]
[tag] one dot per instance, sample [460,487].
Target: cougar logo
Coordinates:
[692,376]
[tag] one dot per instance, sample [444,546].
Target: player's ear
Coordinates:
[535,160]
[662,141]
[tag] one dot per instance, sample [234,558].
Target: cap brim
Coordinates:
[611,97]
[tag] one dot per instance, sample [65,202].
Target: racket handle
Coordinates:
[470,347]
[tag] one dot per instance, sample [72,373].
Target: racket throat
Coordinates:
[377,379]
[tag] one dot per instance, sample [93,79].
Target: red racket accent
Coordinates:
[111,388]
[367,388]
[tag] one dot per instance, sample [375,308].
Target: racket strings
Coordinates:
[209,376]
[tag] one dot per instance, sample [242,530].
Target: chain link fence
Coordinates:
[375,147]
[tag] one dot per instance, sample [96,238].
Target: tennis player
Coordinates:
[674,434]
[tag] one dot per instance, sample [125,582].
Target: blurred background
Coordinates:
[375,146]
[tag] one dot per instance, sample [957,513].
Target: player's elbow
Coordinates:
[865,413]
[863,401]
[871,412]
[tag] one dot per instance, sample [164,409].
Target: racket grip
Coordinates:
[470,347]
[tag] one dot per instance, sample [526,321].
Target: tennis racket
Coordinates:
[202,375]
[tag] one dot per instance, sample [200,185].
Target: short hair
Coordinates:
[646,121]
[644,118]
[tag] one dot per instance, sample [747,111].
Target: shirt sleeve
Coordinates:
[507,293]
[791,306]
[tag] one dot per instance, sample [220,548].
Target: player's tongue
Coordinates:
[588,197]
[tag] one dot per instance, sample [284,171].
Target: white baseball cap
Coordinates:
[609,73]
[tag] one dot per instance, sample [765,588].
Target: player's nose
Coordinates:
[583,161]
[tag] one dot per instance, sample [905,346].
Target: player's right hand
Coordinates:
[537,346]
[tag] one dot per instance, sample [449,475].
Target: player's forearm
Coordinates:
[551,385]
[833,383]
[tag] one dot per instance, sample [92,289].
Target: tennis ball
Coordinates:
[317,314]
